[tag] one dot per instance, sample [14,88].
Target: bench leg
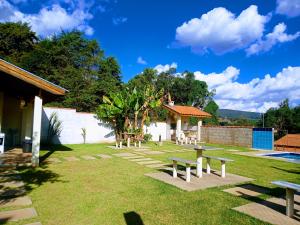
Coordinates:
[134,144]
[223,169]
[199,165]
[195,142]
[117,144]
[190,141]
[186,140]
[128,142]
[188,172]
[174,169]
[176,141]
[121,144]
[289,202]
[208,166]
[139,144]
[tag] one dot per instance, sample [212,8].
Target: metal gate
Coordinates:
[263,138]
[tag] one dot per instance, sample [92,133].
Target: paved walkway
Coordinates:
[52,160]
[13,194]
[272,211]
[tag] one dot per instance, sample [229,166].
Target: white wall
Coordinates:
[156,129]
[73,121]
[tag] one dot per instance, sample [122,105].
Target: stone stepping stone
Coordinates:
[168,150]
[12,184]
[156,165]
[153,152]
[104,156]
[72,159]
[149,162]
[134,157]
[18,201]
[140,160]
[233,150]
[247,190]
[12,192]
[124,154]
[36,223]
[88,157]
[140,153]
[53,160]
[19,214]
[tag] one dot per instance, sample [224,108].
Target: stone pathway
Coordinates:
[104,156]
[13,194]
[272,211]
[88,157]
[247,190]
[19,214]
[71,159]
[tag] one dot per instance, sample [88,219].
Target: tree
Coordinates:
[16,39]
[283,118]
[77,64]
[128,110]
[212,109]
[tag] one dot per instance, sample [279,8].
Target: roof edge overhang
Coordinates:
[187,115]
[31,78]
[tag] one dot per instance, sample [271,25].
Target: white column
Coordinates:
[188,172]
[208,166]
[199,130]
[199,163]
[1,108]
[174,169]
[223,170]
[178,127]
[289,202]
[36,132]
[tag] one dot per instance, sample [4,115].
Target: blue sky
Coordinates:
[248,51]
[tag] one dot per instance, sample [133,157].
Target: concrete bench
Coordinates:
[187,163]
[290,191]
[223,162]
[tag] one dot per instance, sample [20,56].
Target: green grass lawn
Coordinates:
[111,191]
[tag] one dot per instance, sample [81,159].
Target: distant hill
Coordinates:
[235,114]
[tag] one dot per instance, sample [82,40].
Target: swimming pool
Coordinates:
[290,156]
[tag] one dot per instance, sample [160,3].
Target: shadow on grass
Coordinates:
[32,178]
[293,171]
[51,149]
[275,192]
[133,218]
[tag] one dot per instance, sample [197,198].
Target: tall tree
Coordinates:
[15,40]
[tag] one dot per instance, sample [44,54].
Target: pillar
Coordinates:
[1,108]
[199,130]
[178,127]
[290,202]
[36,131]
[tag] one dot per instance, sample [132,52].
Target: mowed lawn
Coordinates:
[115,191]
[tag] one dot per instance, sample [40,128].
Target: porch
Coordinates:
[21,98]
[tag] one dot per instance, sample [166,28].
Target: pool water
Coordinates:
[287,155]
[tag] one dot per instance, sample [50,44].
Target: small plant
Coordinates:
[54,128]
[83,134]
[147,137]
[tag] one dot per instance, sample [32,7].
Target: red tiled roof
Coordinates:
[187,111]
[292,140]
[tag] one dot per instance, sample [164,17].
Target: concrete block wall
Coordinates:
[97,131]
[238,136]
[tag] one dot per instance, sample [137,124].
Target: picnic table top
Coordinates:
[204,148]
[183,160]
[286,184]
[218,158]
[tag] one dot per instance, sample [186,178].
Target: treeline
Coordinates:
[284,118]
[78,64]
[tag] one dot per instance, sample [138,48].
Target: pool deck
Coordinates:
[262,154]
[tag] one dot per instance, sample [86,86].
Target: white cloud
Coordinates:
[290,8]
[119,20]
[141,61]
[277,36]
[256,95]
[165,68]
[221,31]
[49,20]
